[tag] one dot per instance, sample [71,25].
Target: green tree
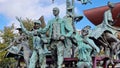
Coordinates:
[8,35]
[28,23]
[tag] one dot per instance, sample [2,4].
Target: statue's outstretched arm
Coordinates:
[92,44]
[69,29]
[107,22]
[23,28]
[11,44]
[45,29]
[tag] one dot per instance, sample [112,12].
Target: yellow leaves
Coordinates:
[8,34]
[28,24]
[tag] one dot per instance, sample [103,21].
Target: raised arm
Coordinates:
[9,46]
[23,28]
[44,30]
[92,44]
[106,20]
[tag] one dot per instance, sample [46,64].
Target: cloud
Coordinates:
[32,9]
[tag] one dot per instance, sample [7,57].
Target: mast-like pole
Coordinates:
[73,14]
[73,7]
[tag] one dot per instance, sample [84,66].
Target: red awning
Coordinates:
[95,15]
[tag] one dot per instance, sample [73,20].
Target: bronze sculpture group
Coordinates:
[62,36]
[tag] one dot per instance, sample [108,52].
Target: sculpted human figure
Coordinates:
[18,43]
[38,51]
[106,32]
[57,35]
[85,48]
[70,19]
[25,46]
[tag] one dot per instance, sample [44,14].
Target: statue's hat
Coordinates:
[70,8]
[111,5]
[78,17]
[19,29]
[37,21]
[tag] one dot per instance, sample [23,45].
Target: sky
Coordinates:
[33,9]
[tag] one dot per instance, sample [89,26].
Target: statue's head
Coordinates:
[19,30]
[85,30]
[37,24]
[56,11]
[110,4]
[87,27]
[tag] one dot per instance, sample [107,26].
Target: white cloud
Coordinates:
[32,9]
[1,1]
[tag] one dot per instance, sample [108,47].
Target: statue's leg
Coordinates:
[46,49]
[60,53]
[108,53]
[116,49]
[114,43]
[18,63]
[108,63]
[42,60]
[67,52]
[111,36]
[118,56]
[26,61]
[118,53]
[83,64]
[27,58]
[76,52]
[33,59]
[54,54]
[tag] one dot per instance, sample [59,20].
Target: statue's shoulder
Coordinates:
[52,20]
[107,11]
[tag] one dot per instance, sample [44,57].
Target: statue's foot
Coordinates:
[59,67]
[111,61]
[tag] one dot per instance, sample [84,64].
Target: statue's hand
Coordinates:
[85,41]
[19,19]
[62,37]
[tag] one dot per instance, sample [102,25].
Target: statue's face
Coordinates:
[84,32]
[20,32]
[36,25]
[55,11]
[111,5]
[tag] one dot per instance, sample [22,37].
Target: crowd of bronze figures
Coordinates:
[64,41]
